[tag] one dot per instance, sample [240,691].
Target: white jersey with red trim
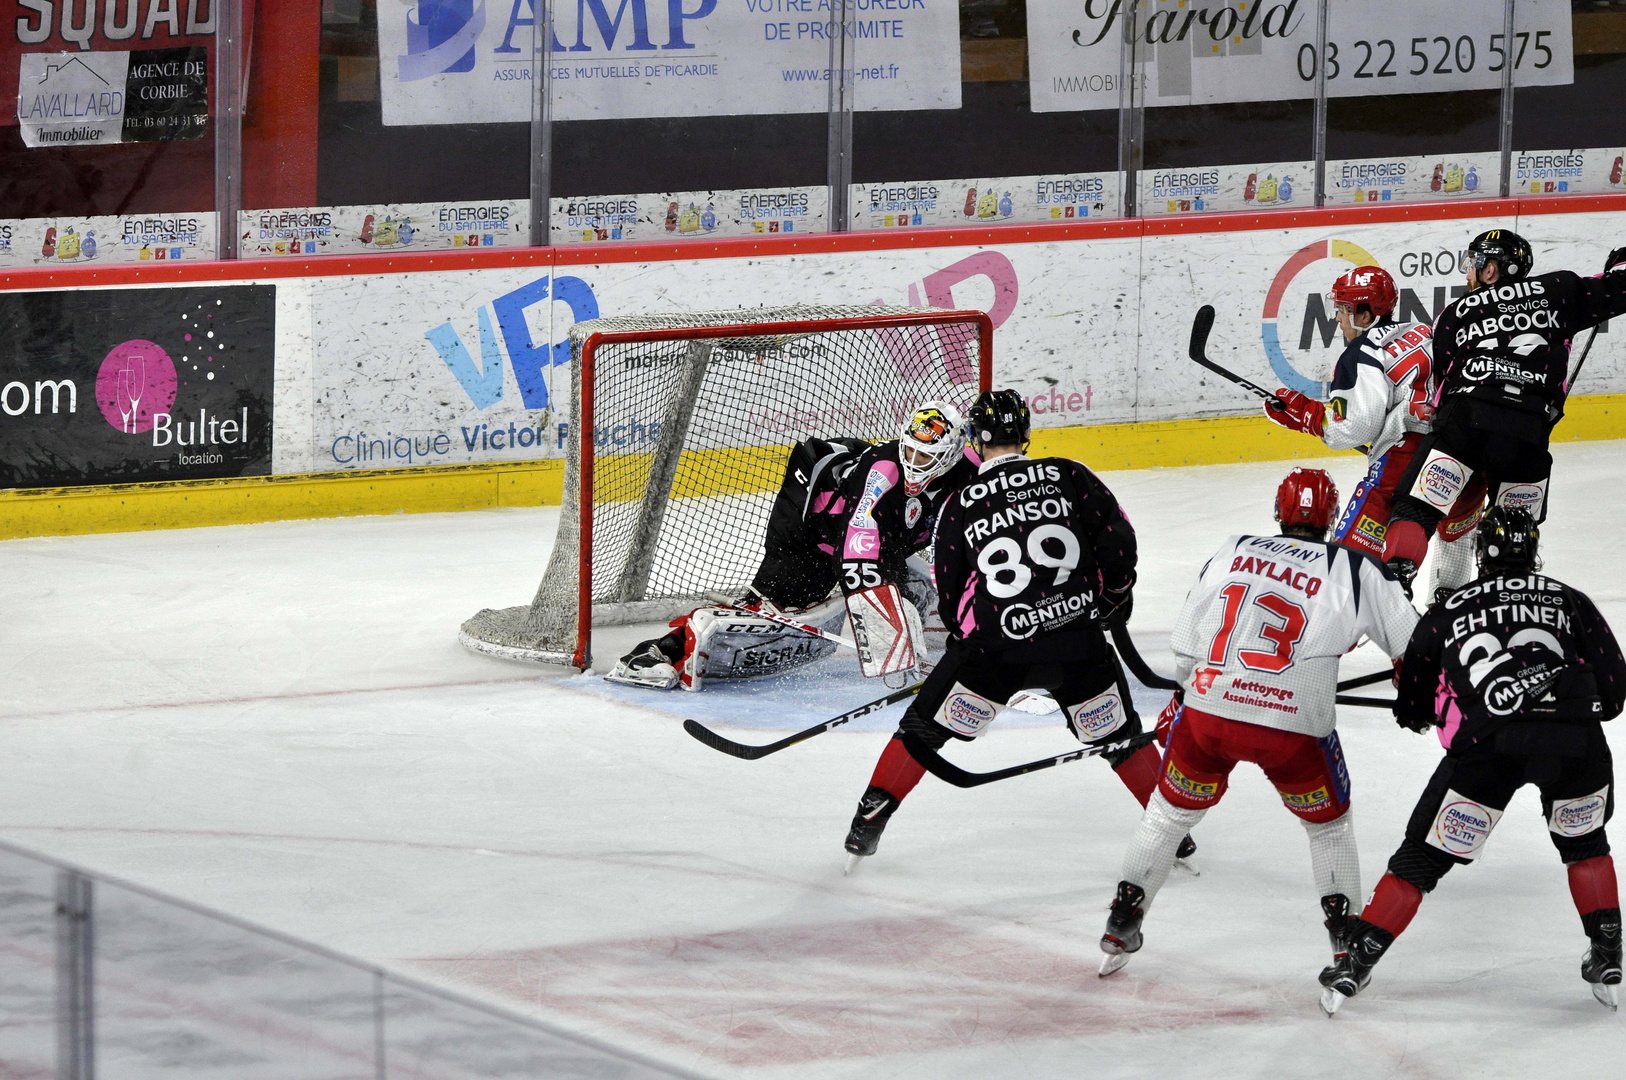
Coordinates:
[1381,388]
[1261,634]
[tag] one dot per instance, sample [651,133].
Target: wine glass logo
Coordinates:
[136,381]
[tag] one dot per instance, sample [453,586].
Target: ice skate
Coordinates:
[1183,854]
[1122,936]
[1349,974]
[853,863]
[1601,966]
[648,666]
[874,810]
[1339,923]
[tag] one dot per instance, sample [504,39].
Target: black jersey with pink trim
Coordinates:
[872,525]
[1026,548]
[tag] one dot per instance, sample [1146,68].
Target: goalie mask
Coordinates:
[930,444]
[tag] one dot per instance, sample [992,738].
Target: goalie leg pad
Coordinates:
[725,643]
[887,630]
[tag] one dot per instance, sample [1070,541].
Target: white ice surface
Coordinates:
[277,721]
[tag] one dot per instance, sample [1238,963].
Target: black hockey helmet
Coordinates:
[1000,418]
[1506,540]
[1508,250]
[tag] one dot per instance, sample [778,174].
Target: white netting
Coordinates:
[691,437]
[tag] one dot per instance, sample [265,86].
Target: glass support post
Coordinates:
[541,121]
[75,978]
[841,114]
[1318,140]
[228,124]
[1507,98]
[1131,113]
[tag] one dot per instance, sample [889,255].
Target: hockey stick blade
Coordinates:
[950,773]
[1200,327]
[751,753]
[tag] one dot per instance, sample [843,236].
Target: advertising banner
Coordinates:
[73,99]
[1595,171]
[134,385]
[1197,52]
[453,368]
[690,215]
[470,61]
[1227,187]
[82,241]
[1409,179]
[999,201]
[364,230]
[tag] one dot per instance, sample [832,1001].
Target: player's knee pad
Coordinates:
[727,643]
[1172,817]
[1457,828]
[1188,788]
[1101,717]
[1577,825]
[924,728]
[1420,865]
[1440,481]
[965,713]
[1530,495]
[1574,849]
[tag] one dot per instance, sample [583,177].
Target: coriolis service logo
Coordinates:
[1306,257]
[441,36]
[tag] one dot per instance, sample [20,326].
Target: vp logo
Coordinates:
[531,361]
[441,35]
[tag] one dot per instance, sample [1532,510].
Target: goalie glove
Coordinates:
[887,630]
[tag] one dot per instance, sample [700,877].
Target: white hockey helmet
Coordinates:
[930,443]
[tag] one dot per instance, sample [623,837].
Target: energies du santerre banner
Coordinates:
[1193,52]
[469,61]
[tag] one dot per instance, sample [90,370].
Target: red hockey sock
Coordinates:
[1140,773]
[897,771]
[1592,884]
[1393,904]
[1405,540]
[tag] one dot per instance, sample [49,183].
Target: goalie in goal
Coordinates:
[848,514]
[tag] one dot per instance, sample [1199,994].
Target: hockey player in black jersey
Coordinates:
[1031,558]
[1501,364]
[1517,671]
[848,514]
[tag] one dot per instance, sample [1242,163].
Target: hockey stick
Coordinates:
[1576,374]
[751,753]
[1200,326]
[795,624]
[1153,681]
[950,773]
[1368,702]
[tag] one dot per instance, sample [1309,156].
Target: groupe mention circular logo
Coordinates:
[1344,250]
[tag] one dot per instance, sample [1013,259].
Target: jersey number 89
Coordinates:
[1006,575]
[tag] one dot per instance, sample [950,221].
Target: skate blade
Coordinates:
[1331,1001]
[1189,867]
[1112,962]
[1608,996]
[853,862]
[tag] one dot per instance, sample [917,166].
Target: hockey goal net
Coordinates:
[680,428]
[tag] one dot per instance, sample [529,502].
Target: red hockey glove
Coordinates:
[1166,718]
[1300,413]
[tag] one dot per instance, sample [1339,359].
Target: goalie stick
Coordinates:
[951,773]
[751,753]
[1200,326]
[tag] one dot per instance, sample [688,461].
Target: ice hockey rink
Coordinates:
[277,721]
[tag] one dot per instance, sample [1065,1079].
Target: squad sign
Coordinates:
[135,385]
[1207,52]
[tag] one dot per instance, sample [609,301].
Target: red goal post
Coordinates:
[680,426]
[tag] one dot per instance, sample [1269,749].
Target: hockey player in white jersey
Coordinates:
[1257,647]
[1380,403]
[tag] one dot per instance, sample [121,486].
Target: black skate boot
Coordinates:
[1405,571]
[874,810]
[1122,935]
[1365,945]
[1601,966]
[652,664]
[1183,854]
[1338,923]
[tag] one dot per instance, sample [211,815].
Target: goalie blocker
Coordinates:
[1031,558]
[847,515]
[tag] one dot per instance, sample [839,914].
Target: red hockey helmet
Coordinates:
[1307,497]
[1369,285]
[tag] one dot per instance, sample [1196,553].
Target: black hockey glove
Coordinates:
[1115,608]
[1616,258]
[1421,723]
